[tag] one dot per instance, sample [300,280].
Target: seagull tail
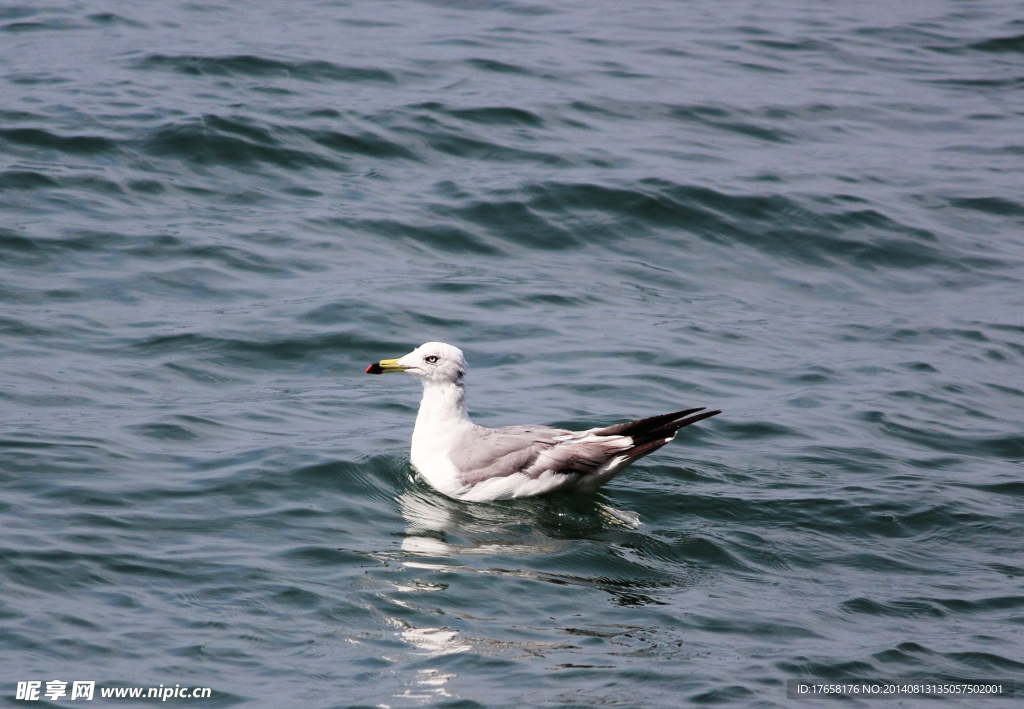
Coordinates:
[652,433]
[638,452]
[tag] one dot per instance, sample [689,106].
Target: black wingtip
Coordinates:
[699,417]
[668,429]
[653,423]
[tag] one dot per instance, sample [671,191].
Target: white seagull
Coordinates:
[470,462]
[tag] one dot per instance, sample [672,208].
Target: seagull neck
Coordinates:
[442,402]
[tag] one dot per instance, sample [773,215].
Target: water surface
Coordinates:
[215,215]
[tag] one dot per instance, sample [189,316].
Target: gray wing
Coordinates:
[484,453]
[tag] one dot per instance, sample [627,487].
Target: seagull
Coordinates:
[469,462]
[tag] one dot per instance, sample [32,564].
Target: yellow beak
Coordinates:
[384,366]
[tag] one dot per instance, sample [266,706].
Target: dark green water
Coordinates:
[213,216]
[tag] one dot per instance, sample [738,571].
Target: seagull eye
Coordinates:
[431,358]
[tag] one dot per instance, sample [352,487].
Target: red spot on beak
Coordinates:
[374,369]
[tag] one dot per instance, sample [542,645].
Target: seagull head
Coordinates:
[432,362]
